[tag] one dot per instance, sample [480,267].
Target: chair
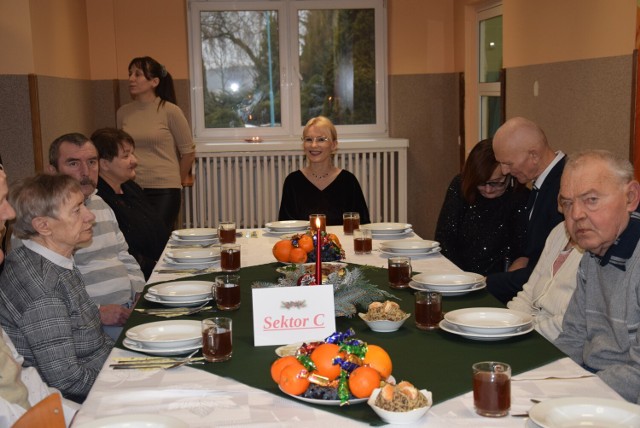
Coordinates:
[47,413]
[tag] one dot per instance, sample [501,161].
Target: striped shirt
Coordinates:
[111,274]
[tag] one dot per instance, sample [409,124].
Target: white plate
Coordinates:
[287,225]
[386,236]
[449,280]
[400,418]
[488,320]
[324,402]
[174,304]
[196,233]
[193,255]
[409,246]
[576,412]
[382,228]
[424,287]
[189,265]
[135,421]
[181,291]
[452,328]
[384,326]
[435,250]
[167,334]
[139,347]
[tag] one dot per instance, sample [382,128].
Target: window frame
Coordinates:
[289,64]
[485,89]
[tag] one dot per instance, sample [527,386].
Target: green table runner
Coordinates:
[433,360]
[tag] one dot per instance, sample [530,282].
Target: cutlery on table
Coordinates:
[173,312]
[191,271]
[156,362]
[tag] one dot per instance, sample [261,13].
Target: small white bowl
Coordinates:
[383,326]
[400,418]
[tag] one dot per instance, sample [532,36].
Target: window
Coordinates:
[263,68]
[489,67]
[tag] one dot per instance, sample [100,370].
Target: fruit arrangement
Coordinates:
[339,368]
[300,248]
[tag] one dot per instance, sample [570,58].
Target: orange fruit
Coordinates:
[297,255]
[363,380]
[293,379]
[334,238]
[282,250]
[279,364]
[306,243]
[377,358]
[323,357]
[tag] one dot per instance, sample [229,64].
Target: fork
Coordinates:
[159,365]
[174,312]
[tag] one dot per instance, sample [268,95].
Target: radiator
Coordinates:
[246,186]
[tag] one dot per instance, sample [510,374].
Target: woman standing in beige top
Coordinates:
[164,145]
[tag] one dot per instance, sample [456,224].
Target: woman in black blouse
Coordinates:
[321,187]
[482,223]
[141,225]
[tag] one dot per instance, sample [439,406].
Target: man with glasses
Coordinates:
[522,149]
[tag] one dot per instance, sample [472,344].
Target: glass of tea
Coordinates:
[216,339]
[227,232]
[362,241]
[428,309]
[230,257]
[491,388]
[350,222]
[227,292]
[399,271]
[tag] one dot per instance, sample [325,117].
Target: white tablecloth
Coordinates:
[203,400]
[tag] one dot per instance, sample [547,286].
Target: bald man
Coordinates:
[522,149]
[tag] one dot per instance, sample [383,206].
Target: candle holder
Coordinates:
[313,224]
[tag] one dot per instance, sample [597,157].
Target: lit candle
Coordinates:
[318,252]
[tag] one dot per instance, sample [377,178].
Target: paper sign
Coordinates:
[284,315]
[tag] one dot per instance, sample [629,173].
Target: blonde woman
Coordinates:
[321,187]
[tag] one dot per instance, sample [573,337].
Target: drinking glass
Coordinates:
[350,222]
[362,241]
[230,257]
[491,388]
[227,232]
[323,222]
[216,339]
[399,271]
[428,309]
[227,292]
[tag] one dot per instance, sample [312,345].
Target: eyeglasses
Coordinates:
[310,140]
[495,184]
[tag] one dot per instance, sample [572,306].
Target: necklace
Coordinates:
[320,177]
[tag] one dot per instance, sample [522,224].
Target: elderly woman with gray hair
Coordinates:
[44,307]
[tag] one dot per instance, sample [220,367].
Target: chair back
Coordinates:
[47,413]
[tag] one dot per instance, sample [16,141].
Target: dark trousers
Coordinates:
[166,203]
[505,285]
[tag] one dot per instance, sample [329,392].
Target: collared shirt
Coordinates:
[538,182]
[623,247]
[52,256]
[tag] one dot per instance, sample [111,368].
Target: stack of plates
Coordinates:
[449,284]
[180,293]
[487,323]
[411,248]
[388,230]
[164,337]
[197,236]
[192,258]
[287,226]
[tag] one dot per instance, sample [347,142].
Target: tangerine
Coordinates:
[297,255]
[279,364]
[378,358]
[363,380]
[306,243]
[282,250]
[293,379]
[323,357]
[333,238]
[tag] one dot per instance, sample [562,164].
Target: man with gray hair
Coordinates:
[599,198]
[112,275]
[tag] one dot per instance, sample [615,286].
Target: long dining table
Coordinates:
[240,392]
